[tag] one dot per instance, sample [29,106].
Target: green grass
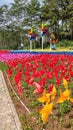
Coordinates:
[63,45]
[3,66]
[58,49]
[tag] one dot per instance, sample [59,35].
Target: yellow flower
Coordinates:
[53,93]
[64,96]
[71,99]
[65,83]
[48,97]
[44,98]
[45,111]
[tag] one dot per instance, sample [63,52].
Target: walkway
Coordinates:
[8,117]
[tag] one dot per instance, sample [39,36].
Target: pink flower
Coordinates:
[38,89]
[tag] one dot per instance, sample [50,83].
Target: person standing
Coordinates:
[53,41]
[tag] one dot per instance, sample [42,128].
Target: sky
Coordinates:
[2,2]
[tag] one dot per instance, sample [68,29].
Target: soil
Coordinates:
[32,121]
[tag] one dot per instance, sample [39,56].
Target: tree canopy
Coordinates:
[17,18]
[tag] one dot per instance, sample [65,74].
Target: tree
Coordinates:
[50,13]
[33,12]
[17,19]
[66,16]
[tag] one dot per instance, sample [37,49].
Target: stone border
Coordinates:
[7,112]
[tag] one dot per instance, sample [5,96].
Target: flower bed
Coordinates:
[4,51]
[44,83]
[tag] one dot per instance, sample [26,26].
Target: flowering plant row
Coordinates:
[50,77]
[41,69]
[46,74]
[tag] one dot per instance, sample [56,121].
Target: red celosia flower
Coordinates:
[49,75]
[17,77]
[9,72]
[19,88]
[50,88]
[58,81]
[43,81]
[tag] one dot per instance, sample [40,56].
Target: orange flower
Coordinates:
[44,98]
[45,111]
[65,83]
[53,93]
[47,97]
[65,96]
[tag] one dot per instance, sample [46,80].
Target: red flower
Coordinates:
[49,75]
[50,88]
[19,88]
[17,77]
[9,72]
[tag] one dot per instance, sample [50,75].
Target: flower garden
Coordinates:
[43,83]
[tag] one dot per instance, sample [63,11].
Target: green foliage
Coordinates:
[27,128]
[65,43]
[3,67]
[33,7]
[72,124]
[16,21]
[64,107]
[34,104]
